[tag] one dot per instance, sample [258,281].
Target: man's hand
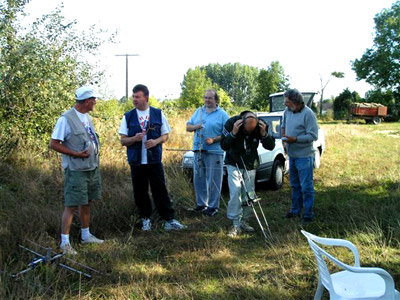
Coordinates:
[150,144]
[236,126]
[139,136]
[290,139]
[83,154]
[209,141]
[263,128]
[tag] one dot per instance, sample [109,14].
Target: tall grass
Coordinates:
[357,198]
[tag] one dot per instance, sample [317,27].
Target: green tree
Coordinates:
[195,83]
[40,68]
[239,81]
[380,64]
[269,81]
[384,97]
[224,99]
[341,104]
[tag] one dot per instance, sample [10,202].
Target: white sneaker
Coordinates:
[174,225]
[68,250]
[92,240]
[146,224]
[246,227]
[235,231]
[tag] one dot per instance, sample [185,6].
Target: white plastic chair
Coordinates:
[354,282]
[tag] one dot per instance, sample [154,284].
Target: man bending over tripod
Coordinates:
[240,139]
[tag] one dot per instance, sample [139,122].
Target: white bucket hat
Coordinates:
[86,92]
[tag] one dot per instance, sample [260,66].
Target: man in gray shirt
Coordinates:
[299,131]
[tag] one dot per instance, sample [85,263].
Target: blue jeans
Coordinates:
[207,178]
[301,182]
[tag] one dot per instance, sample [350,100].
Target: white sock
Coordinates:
[64,239]
[85,233]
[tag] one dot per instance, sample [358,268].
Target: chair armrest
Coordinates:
[389,283]
[336,242]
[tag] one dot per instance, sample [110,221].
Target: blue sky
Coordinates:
[309,38]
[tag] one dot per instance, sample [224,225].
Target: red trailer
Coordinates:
[370,112]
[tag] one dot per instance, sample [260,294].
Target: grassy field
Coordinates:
[357,198]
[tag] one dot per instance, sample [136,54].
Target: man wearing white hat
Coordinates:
[75,138]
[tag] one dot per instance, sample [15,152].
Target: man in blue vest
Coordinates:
[143,130]
[75,138]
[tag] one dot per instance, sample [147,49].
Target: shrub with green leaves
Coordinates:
[40,68]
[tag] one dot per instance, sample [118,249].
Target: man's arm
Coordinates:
[267,140]
[130,140]
[227,137]
[160,140]
[191,124]
[311,129]
[191,128]
[213,140]
[58,146]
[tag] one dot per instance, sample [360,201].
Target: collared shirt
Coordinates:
[213,124]
[143,117]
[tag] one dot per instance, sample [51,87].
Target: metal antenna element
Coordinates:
[126,62]
[199,164]
[50,257]
[252,198]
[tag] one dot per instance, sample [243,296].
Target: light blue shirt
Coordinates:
[213,124]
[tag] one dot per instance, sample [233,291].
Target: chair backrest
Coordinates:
[323,271]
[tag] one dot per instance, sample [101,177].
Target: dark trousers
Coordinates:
[142,175]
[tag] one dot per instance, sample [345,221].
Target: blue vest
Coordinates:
[135,150]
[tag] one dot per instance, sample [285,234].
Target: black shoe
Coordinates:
[306,220]
[199,209]
[211,211]
[291,215]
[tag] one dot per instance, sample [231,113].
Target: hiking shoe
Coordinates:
[146,224]
[92,240]
[199,209]
[235,231]
[246,227]
[174,225]
[68,250]
[211,211]
[291,215]
[306,220]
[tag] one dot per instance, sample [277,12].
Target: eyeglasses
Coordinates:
[208,98]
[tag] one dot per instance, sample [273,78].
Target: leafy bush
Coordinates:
[40,68]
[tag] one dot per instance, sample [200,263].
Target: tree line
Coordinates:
[237,84]
[42,63]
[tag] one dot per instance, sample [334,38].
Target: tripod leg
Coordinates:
[259,222]
[265,219]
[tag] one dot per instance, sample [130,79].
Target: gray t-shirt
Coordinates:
[303,125]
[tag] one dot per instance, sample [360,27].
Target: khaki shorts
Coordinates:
[80,187]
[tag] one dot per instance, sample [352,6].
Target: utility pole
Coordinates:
[126,59]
